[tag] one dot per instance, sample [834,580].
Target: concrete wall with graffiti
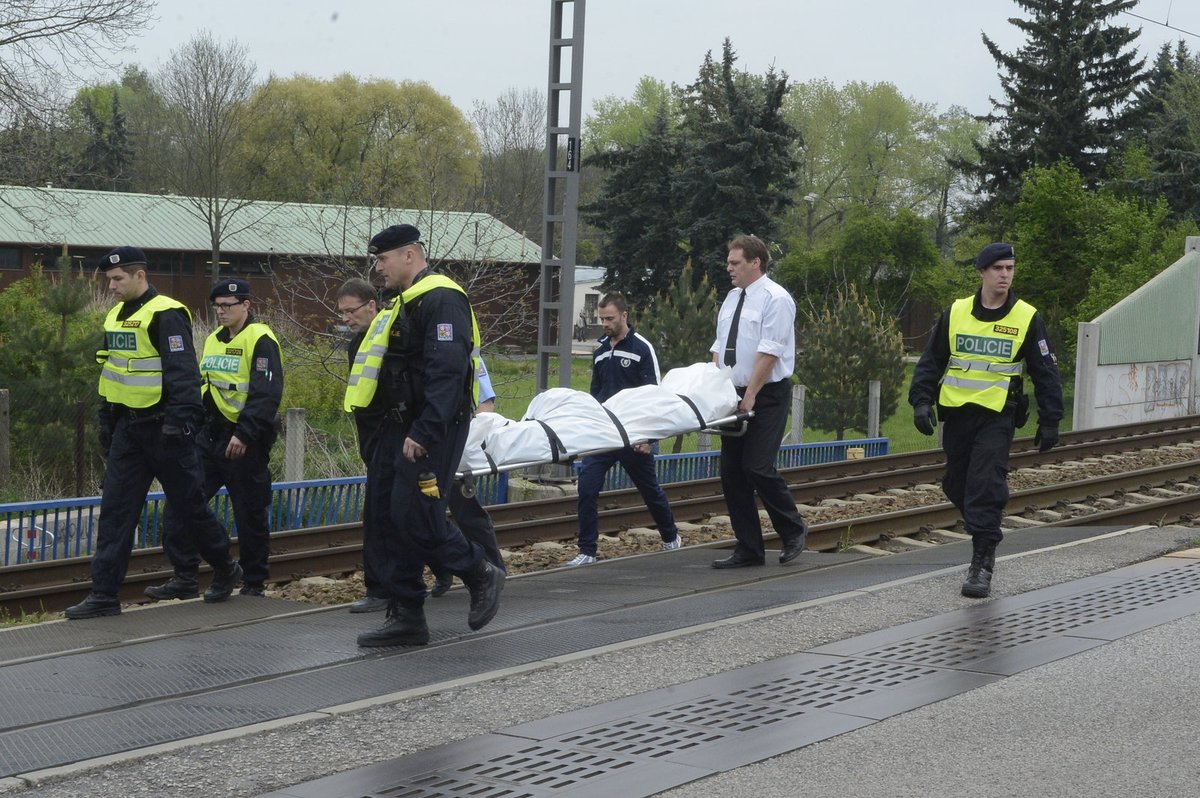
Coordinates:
[1133,392]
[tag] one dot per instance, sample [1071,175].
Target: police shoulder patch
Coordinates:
[175,343]
[445,332]
[260,363]
[1043,347]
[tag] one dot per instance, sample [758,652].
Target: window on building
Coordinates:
[10,257]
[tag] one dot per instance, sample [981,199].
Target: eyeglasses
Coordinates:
[344,312]
[226,305]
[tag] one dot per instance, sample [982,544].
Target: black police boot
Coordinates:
[179,586]
[403,626]
[484,582]
[223,583]
[94,606]
[979,575]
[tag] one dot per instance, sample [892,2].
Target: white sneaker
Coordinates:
[671,545]
[582,559]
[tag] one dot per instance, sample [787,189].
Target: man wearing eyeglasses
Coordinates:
[150,404]
[242,374]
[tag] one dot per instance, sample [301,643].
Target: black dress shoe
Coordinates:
[252,590]
[94,606]
[737,560]
[792,548]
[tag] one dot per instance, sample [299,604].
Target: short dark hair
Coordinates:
[359,289]
[752,247]
[614,299]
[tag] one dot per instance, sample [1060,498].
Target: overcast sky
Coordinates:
[476,49]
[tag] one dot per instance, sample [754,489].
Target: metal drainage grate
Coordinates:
[703,733]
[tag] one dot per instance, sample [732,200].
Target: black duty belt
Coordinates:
[141,413]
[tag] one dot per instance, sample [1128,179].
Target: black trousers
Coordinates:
[748,469]
[976,443]
[406,528]
[140,454]
[248,481]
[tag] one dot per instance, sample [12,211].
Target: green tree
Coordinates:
[737,170]
[843,346]
[350,142]
[640,214]
[617,123]
[1062,91]
[48,341]
[680,324]
[881,254]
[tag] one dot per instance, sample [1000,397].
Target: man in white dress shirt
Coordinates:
[756,340]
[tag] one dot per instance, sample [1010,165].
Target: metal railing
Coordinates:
[61,528]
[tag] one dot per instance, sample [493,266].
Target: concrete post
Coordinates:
[796,434]
[5,440]
[293,453]
[874,392]
[1087,360]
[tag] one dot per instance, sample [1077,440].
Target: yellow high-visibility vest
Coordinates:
[225,368]
[983,355]
[132,371]
[368,361]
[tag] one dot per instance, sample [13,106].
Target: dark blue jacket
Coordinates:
[630,364]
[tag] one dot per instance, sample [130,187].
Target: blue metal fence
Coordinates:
[703,465]
[61,528]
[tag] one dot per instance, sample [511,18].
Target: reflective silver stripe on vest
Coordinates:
[974,385]
[997,368]
[131,379]
[230,386]
[142,363]
[237,404]
[367,373]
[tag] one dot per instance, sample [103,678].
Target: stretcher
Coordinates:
[563,424]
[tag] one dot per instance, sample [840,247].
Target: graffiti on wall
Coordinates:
[1133,392]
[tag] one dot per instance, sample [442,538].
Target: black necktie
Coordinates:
[731,341]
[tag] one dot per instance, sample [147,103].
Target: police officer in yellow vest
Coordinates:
[419,352]
[242,374]
[150,409]
[973,366]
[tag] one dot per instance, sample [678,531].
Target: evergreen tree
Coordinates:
[1065,93]
[843,345]
[118,152]
[738,167]
[639,214]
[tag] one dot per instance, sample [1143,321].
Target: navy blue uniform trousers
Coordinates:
[640,468]
[138,455]
[976,443]
[748,468]
[406,528]
[248,482]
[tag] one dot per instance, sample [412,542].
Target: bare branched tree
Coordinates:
[207,87]
[43,42]
[512,135]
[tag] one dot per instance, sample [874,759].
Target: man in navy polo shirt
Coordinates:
[623,359]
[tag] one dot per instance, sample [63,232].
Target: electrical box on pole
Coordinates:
[560,208]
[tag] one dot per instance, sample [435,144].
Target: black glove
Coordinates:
[1046,437]
[924,419]
[105,440]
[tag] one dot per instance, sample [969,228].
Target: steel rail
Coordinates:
[53,585]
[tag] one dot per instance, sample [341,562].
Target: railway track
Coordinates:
[1164,493]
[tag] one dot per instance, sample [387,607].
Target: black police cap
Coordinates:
[994,252]
[122,256]
[398,235]
[231,287]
